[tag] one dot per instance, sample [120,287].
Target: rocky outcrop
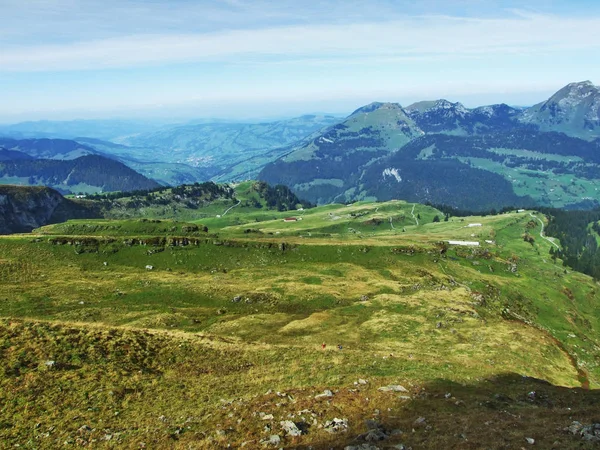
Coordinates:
[23,208]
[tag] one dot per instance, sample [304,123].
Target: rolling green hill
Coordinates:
[118,332]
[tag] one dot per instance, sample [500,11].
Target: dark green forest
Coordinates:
[93,170]
[578,232]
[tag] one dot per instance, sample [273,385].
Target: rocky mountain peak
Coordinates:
[574,110]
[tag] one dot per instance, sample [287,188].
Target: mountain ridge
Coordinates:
[337,164]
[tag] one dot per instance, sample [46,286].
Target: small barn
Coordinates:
[290,219]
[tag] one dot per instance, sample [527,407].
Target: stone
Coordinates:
[50,364]
[530,441]
[361,381]
[336,425]
[374,435]
[393,388]
[290,428]
[274,439]
[237,299]
[364,298]
[326,393]
[267,417]
[420,421]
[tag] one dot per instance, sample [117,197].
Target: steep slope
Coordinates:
[90,173]
[329,164]
[444,181]
[521,167]
[573,110]
[23,208]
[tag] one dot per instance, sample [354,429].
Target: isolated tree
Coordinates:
[436,218]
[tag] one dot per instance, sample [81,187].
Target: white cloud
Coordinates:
[415,37]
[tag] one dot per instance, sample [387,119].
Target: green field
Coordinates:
[149,333]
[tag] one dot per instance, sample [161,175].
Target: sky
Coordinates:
[243,59]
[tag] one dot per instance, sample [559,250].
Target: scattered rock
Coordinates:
[84,429]
[420,421]
[590,433]
[361,447]
[336,425]
[50,364]
[530,441]
[361,381]
[290,428]
[377,434]
[364,298]
[267,417]
[149,267]
[237,299]
[439,325]
[326,393]
[274,439]
[393,388]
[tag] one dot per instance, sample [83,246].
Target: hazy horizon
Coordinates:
[261,59]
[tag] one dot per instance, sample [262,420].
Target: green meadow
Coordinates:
[209,332]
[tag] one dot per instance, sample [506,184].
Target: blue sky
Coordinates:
[65,59]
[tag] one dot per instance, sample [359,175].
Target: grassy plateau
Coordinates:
[223,332]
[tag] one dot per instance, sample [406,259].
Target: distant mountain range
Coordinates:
[66,166]
[442,152]
[431,151]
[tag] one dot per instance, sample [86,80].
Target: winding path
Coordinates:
[412,213]
[231,207]
[542,231]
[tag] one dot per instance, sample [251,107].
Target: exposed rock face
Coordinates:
[23,208]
